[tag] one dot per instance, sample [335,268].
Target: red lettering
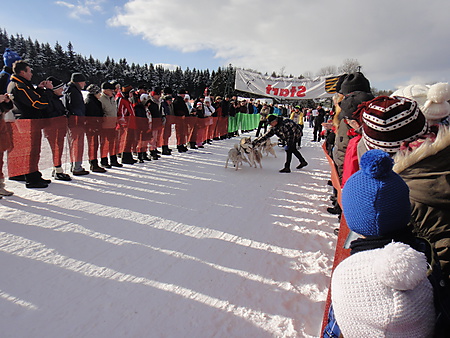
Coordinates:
[284,92]
[275,91]
[301,91]
[268,89]
[293,90]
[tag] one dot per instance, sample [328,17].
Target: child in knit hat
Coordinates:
[382,289]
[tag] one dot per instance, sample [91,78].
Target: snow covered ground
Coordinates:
[179,247]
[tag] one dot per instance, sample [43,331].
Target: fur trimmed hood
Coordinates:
[405,159]
[426,170]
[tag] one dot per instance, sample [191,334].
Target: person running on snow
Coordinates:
[290,132]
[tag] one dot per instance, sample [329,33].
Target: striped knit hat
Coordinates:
[390,121]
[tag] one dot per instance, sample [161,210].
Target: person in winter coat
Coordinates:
[181,111]
[109,138]
[423,164]
[29,104]
[356,89]
[55,128]
[6,143]
[297,116]
[319,118]
[382,289]
[154,106]
[264,113]
[290,132]
[127,124]
[74,103]
[167,118]
[9,57]
[94,120]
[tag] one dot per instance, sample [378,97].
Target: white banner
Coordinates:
[284,88]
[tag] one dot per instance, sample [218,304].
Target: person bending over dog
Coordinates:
[288,131]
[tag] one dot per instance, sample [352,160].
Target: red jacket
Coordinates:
[351,163]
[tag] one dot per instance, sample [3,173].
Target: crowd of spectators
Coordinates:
[110,124]
[390,155]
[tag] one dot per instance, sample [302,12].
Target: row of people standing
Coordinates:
[109,118]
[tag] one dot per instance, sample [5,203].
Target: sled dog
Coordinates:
[236,156]
[253,153]
[267,148]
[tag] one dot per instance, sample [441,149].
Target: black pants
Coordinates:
[291,148]
[317,131]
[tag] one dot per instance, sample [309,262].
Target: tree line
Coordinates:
[61,63]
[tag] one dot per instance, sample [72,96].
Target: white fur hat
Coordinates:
[432,100]
[436,107]
[384,293]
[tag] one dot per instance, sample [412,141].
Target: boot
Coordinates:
[192,145]
[166,151]
[104,163]
[3,191]
[59,174]
[141,157]
[285,170]
[127,158]
[154,154]
[336,210]
[114,162]
[302,164]
[95,167]
[145,156]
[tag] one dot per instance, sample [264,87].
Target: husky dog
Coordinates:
[267,148]
[253,153]
[236,155]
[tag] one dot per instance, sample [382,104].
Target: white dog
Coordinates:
[253,153]
[267,148]
[236,156]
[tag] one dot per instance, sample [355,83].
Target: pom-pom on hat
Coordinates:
[390,121]
[9,57]
[432,100]
[375,200]
[436,107]
[384,292]
[355,82]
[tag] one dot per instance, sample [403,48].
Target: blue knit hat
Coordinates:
[9,57]
[375,200]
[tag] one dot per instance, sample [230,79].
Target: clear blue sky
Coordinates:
[397,42]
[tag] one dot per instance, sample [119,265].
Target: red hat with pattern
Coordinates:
[390,121]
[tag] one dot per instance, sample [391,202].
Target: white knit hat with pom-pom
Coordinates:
[436,106]
[432,100]
[383,293]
